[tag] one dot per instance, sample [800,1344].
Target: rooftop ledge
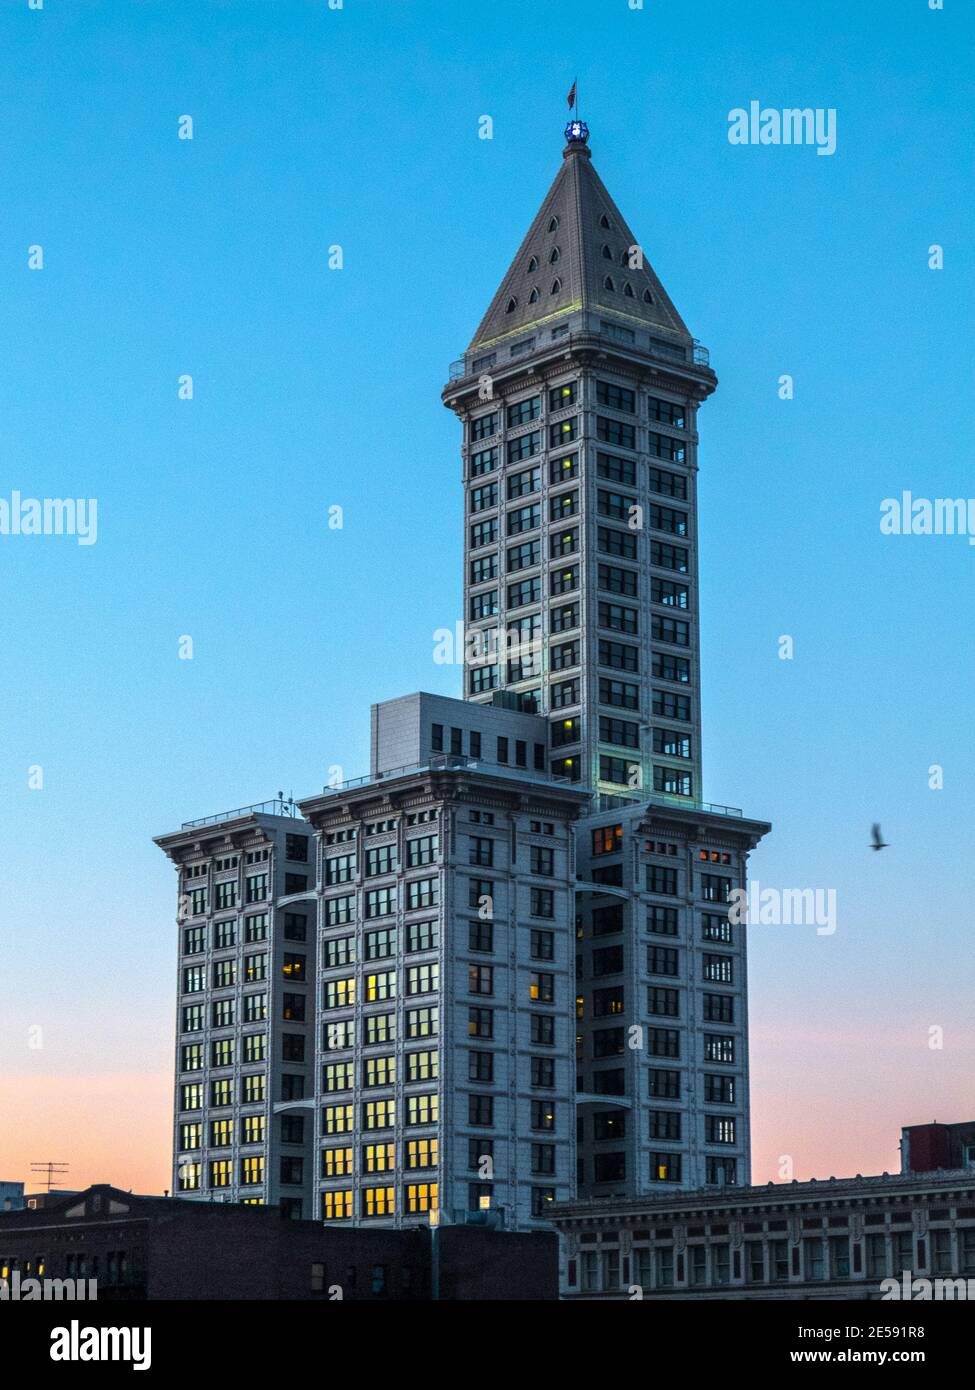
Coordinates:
[499,354]
[278,807]
[451,762]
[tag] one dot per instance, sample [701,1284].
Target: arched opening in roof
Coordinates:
[604,221]
[556,253]
[607,253]
[647,297]
[556,285]
[608,283]
[533,297]
[511,305]
[533,263]
[553,226]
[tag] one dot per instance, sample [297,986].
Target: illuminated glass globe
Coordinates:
[577,130]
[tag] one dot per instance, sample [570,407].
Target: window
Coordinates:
[541,988]
[619,693]
[665,667]
[663,1042]
[423,1022]
[561,396]
[542,861]
[380,902]
[485,461]
[619,731]
[422,1109]
[669,557]
[522,484]
[378,1114]
[619,655]
[482,498]
[421,1196]
[542,902]
[292,966]
[423,979]
[483,568]
[422,936]
[480,979]
[422,893]
[256,886]
[525,446]
[564,581]
[523,592]
[542,945]
[668,519]
[225,895]
[563,432]
[671,706]
[666,412]
[562,543]
[615,397]
[376,1071]
[338,911]
[664,1167]
[484,426]
[484,533]
[542,1030]
[422,1153]
[523,519]
[563,506]
[337,1205]
[663,1002]
[480,1023]
[615,432]
[611,541]
[719,1008]
[662,446]
[718,1048]
[523,411]
[664,1124]
[524,556]
[662,960]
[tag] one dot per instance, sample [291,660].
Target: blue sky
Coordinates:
[315,387]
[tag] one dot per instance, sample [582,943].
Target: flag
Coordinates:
[572,96]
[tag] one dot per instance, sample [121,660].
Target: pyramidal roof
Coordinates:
[577,255]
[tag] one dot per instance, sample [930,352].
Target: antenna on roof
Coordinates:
[54,1171]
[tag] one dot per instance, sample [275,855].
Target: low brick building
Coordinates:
[144,1247]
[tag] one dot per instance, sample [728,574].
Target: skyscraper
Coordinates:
[507,972]
[578,397]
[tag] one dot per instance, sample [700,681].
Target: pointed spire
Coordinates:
[579,253]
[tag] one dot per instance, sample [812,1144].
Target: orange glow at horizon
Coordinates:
[108,1127]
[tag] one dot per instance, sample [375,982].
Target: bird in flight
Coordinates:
[878,840]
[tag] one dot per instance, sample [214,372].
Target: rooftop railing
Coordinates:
[278,807]
[459,370]
[449,762]
[711,807]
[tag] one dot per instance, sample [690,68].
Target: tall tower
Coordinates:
[578,397]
